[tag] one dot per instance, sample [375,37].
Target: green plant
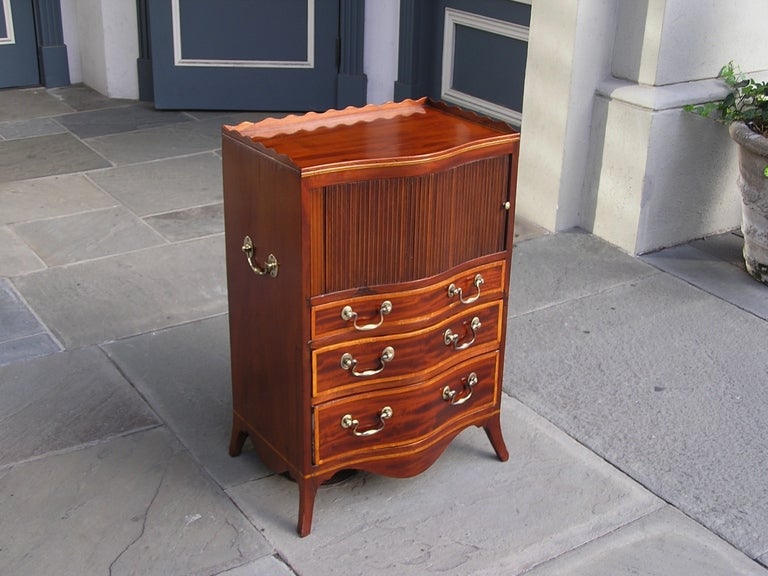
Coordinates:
[746,102]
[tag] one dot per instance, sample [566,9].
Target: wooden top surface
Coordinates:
[412,130]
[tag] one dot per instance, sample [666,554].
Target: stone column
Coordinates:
[569,53]
[605,143]
[661,176]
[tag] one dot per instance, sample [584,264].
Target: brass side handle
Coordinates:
[454,290]
[347,314]
[468,384]
[349,362]
[348,422]
[271,266]
[452,339]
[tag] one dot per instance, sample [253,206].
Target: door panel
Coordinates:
[481,54]
[18,45]
[467,52]
[256,55]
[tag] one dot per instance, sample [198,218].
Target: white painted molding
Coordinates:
[309,62]
[455,18]
[9,37]
[669,96]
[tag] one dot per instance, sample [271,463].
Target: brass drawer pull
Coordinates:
[348,362]
[453,339]
[270,268]
[348,314]
[454,290]
[348,422]
[469,383]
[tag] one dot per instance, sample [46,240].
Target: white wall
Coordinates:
[102,45]
[71,40]
[382,22]
[120,23]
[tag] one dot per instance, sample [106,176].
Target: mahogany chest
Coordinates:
[368,258]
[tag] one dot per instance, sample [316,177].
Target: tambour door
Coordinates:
[399,229]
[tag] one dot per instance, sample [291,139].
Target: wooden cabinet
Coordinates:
[368,255]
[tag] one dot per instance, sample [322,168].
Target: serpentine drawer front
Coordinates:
[358,426]
[389,360]
[401,307]
[368,257]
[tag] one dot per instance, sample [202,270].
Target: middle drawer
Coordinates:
[385,361]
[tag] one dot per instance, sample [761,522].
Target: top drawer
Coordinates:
[407,306]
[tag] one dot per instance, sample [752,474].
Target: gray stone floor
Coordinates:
[635,408]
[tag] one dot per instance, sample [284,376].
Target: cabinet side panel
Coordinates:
[267,316]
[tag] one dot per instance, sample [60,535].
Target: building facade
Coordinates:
[597,86]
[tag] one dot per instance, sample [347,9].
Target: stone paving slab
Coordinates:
[109,298]
[27,347]
[26,158]
[30,128]
[266,566]
[17,320]
[88,235]
[81,97]
[90,123]
[15,256]
[184,374]
[190,223]
[22,336]
[133,505]
[62,401]
[49,197]
[659,378]
[166,185]
[467,513]
[567,266]
[727,247]
[716,274]
[29,103]
[665,543]
[156,143]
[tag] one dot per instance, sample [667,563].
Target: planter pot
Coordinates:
[753,183]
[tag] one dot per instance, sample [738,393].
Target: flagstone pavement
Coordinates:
[635,392]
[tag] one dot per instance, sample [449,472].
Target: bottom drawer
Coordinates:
[365,423]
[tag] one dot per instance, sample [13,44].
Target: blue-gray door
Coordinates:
[18,45]
[467,52]
[238,55]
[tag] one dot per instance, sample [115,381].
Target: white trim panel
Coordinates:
[180,61]
[9,37]
[455,18]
